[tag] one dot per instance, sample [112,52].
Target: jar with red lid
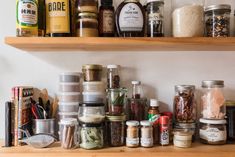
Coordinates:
[164,130]
[170,115]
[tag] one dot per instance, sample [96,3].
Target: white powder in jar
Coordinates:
[188,21]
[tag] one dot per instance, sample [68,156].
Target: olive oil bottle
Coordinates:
[58,18]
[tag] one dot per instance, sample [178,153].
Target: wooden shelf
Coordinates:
[198,150]
[33,44]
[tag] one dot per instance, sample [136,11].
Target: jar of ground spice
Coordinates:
[87,25]
[92,72]
[146,134]
[87,6]
[132,139]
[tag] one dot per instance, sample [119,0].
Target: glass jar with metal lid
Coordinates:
[132,137]
[92,72]
[146,134]
[87,25]
[218,20]
[230,117]
[184,104]
[88,6]
[186,127]
[115,130]
[212,100]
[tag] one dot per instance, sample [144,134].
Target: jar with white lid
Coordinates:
[213,131]
[212,100]
[113,77]
[146,134]
[132,139]
[188,18]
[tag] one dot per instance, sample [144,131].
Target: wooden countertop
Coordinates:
[197,150]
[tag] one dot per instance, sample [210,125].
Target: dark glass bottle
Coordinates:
[130,19]
[41,18]
[106,19]
[58,18]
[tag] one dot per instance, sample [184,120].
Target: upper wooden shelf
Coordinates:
[198,150]
[33,44]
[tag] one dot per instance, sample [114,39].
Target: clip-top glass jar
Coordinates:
[218,20]
[184,104]
[212,100]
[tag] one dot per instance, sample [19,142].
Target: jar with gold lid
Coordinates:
[87,6]
[92,72]
[87,25]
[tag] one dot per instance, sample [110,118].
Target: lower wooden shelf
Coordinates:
[197,150]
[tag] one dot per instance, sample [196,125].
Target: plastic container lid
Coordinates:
[68,121]
[68,113]
[69,93]
[93,83]
[145,123]
[132,123]
[116,118]
[164,120]
[135,82]
[208,121]
[91,105]
[70,73]
[154,103]
[68,103]
[92,93]
[112,66]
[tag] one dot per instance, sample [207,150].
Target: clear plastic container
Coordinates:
[69,87]
[68,107]
[93,86]
[92,72]
[91,112]
[212,100]
[70,77]
[63,115]
[93,97]
[185,104]
[69,97]
[113,77]
[188,18]
[68,130]
[217,19]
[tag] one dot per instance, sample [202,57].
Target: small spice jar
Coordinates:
[87,25]
[170,116]
[146,134]
[213,131]
[184,104]
[116,130]
[113,77]
[91,136]
[92,72]
[230,117]
[212,100]
[132,139]
[218,20]
[88,6]
[182,139]
[164,134]
[186,127]
[68,130]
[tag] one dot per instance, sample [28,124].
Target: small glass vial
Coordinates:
[132,139]
[136,90]
[184,104]
[113,76]
[164,138]
[155,16]
[87,25]
[68,130]
[212,100]
[218,20]
[146,134]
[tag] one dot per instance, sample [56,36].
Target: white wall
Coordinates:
[158,71]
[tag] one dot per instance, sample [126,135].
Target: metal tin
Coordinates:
[92,66]
[46,126]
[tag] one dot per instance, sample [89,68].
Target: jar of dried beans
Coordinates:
[184,104]
[132,139]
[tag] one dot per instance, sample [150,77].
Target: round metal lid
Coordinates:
[218,7]
[91,66]
[184,87]
[212,83]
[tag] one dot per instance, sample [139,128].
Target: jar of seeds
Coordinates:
[218,20]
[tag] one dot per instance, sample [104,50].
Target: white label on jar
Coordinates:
[146,142]
[182,143]
[108,21]
[154,18]
[213,134]
[27,12]
[131,18]
[164,137]
[132,141]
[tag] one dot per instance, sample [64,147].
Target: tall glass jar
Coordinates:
[113,77]
[155,18]
[188,18]
[212,100]
[184,104]
[137,91]
[218,20]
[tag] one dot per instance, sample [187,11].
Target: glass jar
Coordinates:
[68,130]
[91,136]
[137,109]
[87,6]
[146,134]
[116,130]
[186,127]
[230,116]
[188,18]
[87,25]
[113,77]
[212,100]
[116,101]
[137,91]
[91,112]
[182,139]
[218,20]
[155,18]
[92,72]
[213,131]
[184,104]
[132,139]
[94,86]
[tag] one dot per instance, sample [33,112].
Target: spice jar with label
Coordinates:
[116,130]
[184,104]
[212,100]
[90,6]
[146,134]
[106,19]
[130,19]
[92,72]
[213,131]
[164,136]
[113,77]
[132,139]
[170,116]
[230,117]
[87,25]
[218,20]
[155,16]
